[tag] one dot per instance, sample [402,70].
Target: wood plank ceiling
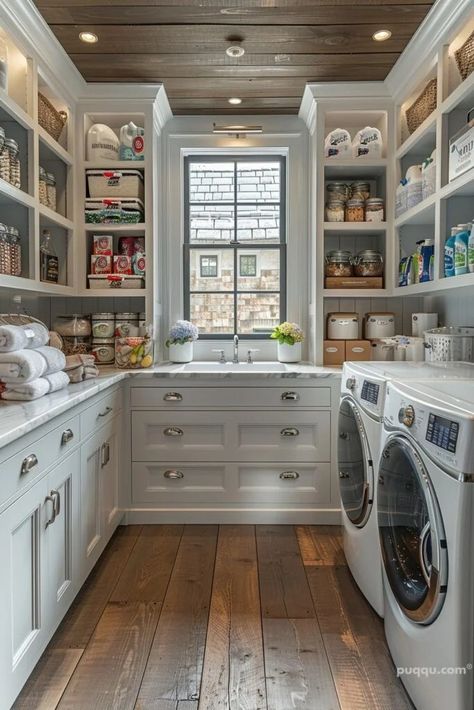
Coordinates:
[182,43]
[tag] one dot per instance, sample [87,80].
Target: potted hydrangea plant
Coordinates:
[180,341]
[289,336]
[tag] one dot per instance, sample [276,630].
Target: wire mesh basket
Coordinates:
[450,344]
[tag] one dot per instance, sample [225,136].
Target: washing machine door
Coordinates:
[356,477]
[411,532]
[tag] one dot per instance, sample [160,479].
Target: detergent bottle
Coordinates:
[132,142]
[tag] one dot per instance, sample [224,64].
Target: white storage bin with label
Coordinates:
[115,183]
[109,211]
[461,149]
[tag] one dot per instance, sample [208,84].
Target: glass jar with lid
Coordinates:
[51,191]
[360,190]
[338,263]
[4,157]
[15,251]
[335,211]
[103,325]
[5,251]
[355,211]
[126,325]
[13,155]
[368,263]
[103,349]
[74,324]
[374,209]
[337,191]
[43,194]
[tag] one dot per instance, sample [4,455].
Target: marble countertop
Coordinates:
[257,370]
[19,418]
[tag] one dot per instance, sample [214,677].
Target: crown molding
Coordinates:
[443,22]
[338,91]
[162,111]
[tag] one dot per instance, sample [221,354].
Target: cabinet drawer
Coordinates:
[188,436]
[283,436]
[101,412]
[284,397]
[165,483]
[299,483]
[31,462]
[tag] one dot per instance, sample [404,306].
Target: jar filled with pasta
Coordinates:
[355,211]
[374,210]
[14,158]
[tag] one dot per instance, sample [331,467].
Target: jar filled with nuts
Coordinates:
[4,158]
[15,251]
[5,252]
[15,169]
[335,211]
[374,210]
[43,194]
[51,191]
[338,263]
[355,211]
[368,263]
[360,191]
[337,191]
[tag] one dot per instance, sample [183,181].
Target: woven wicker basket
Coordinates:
[51,120]
[465,57]
[424,105]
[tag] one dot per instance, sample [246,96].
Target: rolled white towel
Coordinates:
[55,359]
[57,381]
[22,366]
[19,337]
[27,392]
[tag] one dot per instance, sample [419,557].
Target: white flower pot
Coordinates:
[289,353]
[181,353]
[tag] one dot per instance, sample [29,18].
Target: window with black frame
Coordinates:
[235,244]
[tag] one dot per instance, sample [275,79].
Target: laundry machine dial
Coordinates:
[351,383]
[406,416]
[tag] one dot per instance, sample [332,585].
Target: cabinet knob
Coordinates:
[173,431]
[67,436]
[173,397]
[173,474]
[294,396]
[28,463]
[290,431]
[106,411]
[289,475]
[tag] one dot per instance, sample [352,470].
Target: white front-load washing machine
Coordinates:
[359,434]
[425,497]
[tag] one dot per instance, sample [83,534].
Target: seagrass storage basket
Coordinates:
[49,118]
[465,57]
[424,105]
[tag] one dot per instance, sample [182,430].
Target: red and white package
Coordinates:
[101,264]
[123,265]
[103,244]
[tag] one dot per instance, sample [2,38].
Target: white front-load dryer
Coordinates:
[425,496]
[359,434]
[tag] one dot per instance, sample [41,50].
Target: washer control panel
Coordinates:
[370,392]
[442,432]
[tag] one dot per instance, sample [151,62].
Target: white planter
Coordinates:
[181,353]
[289,353]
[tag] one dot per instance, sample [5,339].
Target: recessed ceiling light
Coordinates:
[234,100]
[88,37]
[381,35]
[235,51]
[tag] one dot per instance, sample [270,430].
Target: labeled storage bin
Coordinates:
[114,281]
[109,211]
[115,183]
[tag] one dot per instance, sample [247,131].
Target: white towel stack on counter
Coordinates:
[29,368]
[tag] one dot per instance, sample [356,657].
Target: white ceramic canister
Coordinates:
[379,325]
[382,351]
[103,325]
[126,325]
[421,322]
[103,349]
[343,326]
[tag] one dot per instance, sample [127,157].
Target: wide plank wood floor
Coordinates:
[207,617]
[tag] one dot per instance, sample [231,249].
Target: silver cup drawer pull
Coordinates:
[173,431]
[173,474]
[290,396]
[173,397]
[290,431]
[27,464]
[67,436]
[106,411]
[289,475]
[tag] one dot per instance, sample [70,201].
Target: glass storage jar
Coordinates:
[335,211]
[368,263]
[15,251]
[374,209]
[5,251]
[126,325]
[360,191]
[103,349]
[355,211]
[73,325]
[337,191]
[4,158]
[338,263]
[13,155]
[43,194]
[51,191]
[103,325]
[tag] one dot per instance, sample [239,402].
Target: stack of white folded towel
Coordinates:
[29,368]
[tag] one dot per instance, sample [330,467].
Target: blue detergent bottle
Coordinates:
[449,252]
[461,264]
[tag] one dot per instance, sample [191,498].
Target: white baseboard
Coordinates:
[287,516]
